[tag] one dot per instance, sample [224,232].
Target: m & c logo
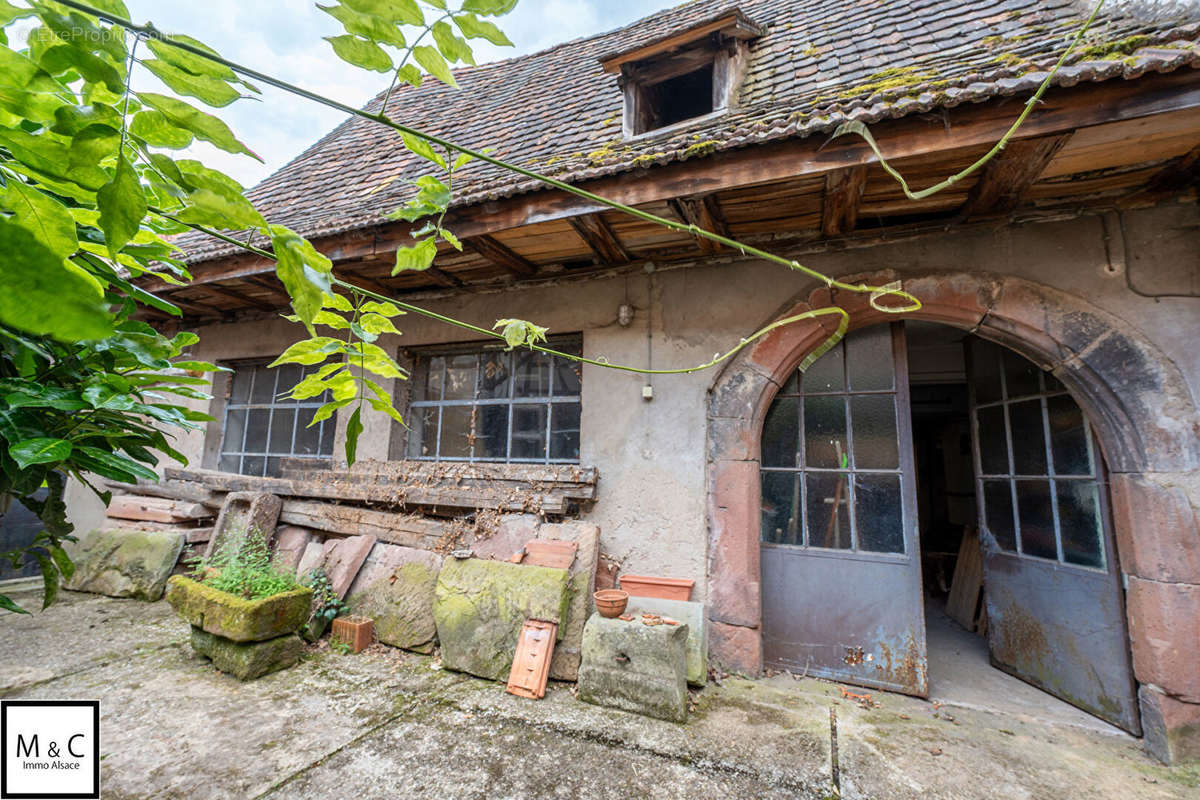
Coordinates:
[50,749]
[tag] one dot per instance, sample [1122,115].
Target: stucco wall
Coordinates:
[651,454]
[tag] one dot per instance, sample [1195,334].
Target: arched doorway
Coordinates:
[1142,411]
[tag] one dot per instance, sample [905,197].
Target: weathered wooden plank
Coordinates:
[156,509]
[842,198]
[189,491]
[501,256]
[600,239]
[405,529]
[415,471]
[1005,179]
[703,212]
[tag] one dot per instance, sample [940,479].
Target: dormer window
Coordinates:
[682,77]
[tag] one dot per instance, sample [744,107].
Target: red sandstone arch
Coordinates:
[1136,398]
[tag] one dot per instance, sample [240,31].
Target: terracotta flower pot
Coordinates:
[354,631]
[611,602]
[656,586]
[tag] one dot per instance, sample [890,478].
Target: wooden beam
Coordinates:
[239,296]
[843,195]
[964,126]
[734,24]
[501,255]
[1176,176]
[274,287]
[1008,176]
[195,307]
[703,212]
[600,238]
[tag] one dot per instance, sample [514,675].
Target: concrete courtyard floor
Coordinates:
[390,724]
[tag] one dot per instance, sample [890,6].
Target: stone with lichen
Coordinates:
[237,618]
[124,563]
[248,660]
[395,588]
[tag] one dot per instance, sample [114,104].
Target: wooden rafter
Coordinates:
[501,256]
[1176,176]
[842,197]
[600,238]
[240,297]
[1007,177]
[274,288]
[196,308]
[703,211]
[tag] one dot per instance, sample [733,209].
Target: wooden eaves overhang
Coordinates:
[1091,146]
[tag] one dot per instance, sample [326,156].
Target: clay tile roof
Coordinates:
[818,64]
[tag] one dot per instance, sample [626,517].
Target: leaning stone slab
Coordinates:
[241,513]
[343,560]
[479,607]
[510,536]
[395,588]
[564,666]
[635,667]
[125,563]
[234,617]
[290,543]
[248,660]
[687,613]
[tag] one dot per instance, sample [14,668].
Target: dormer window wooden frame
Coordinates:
[689,75]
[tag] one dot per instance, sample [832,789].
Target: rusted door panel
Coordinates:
[1063,630]
[848,619]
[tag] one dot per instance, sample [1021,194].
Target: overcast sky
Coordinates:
[283,38]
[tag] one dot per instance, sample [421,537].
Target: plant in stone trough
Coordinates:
[242,566]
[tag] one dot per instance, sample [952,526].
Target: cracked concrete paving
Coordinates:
[387,723]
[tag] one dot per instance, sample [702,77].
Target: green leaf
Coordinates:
[326,411]
[518,332]
[122,207]
[304,272]
[111,465]
[64,58]
[410,75]
[419,257]
[354,429]
[153,127]
[319,382]
[361,52]
[387,309]
[489,8]
[369,26]
[202,125]
[42,215]
[206,207]
[45,294]
[213,91]
[338,302]
[8,605]
[46,155]
[422,148]
[190,62]
[403,12]
[70,120]
[63,561]
[376,324]
[473,27]
[309,351]
[451,46]
[26,89]
[374,358]
[433,63]
[9,12]
[92,145]
[49,579]
[42,450]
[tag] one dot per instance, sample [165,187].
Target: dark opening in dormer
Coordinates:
[687,75]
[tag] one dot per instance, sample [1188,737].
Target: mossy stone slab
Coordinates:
[248,660]
[479,607]
[688,613]
[395,588]
[236,618]
[125,563]
[635,667]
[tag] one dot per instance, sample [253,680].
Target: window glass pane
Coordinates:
[792,386]
[878,513]
[781,507]
[283,420]
[1037,519]
[531,374]
[1053,384]
[1079,521]
[256,430]
[239,390]
[564,431]
[998,513]
[529,431]
[827,374]
[567,374]
[1020,375]
[422,436]
[274,467]
[235,426]
[874,421]
[985,371]
[495,375]
[308,440]
[1068,437]
[869,358]
[993,441]
[456,432]
[229,463]
[254,465]
[825,431]
[287,376]
[328,431]
[826,491]
[781,433]
[263,390]
[1028,437]
[491,436]
[460,378]
[427,379]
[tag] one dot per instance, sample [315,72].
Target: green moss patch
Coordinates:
[234,617]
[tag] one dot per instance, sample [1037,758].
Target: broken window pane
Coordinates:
[869,358]
[1079,521]
[825,432]
[781,508]
[422,437]
[491,437]
[494,375]
[827,374]
[998,513]
[874,427]
[781,433]
[993,440]
[564,431]
[878,513]
[456,432]
[827,504]
[460,378]
[528,432]
[1068,437]
[1037,519]
[1028,438]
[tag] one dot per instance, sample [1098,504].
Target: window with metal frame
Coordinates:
[831,463]
[483,403]
[1035,461]
[260,429]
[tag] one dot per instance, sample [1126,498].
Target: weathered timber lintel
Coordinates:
[600,239]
